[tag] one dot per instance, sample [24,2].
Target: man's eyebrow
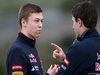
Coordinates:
[39,18]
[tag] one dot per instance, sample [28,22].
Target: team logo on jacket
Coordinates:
[98,56]
[32,58]
[97,65]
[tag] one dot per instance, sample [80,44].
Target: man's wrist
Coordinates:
[64,57]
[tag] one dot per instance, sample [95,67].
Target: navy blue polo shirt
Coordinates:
[83,57]
[23,58]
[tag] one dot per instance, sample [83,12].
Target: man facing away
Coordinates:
[22,56]
[83,57]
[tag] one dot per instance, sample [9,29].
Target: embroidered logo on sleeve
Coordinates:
[17,73]
[17,67]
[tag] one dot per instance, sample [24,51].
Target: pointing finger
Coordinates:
[55,46]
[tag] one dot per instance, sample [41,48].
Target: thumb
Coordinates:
[50,67]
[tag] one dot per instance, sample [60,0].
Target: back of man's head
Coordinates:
[87,12]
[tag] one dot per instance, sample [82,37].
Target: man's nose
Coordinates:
[40,25]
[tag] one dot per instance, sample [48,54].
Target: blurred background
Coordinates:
[57,27]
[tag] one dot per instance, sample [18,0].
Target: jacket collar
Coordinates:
[24,39]
[88,33]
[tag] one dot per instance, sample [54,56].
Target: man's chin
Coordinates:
[36,36]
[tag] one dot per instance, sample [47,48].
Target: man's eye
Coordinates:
[41,20]
[36,20]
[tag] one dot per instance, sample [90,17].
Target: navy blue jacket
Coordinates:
[23,58]
[83,57]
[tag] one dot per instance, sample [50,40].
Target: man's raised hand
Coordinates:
[58,53]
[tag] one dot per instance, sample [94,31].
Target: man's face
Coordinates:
[75,27]
[33,26]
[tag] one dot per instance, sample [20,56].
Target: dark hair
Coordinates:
[87,12]
[26,10]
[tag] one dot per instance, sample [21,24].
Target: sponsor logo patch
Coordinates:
[64,67]
[66,61]
[17,73]
[17,67]
[35,68]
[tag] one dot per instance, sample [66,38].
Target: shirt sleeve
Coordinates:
[16,63]
[71,65]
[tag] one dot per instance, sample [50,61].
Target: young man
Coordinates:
[83,57]
[22,57]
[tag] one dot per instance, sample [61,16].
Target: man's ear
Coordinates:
[80,22]
[23,22]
